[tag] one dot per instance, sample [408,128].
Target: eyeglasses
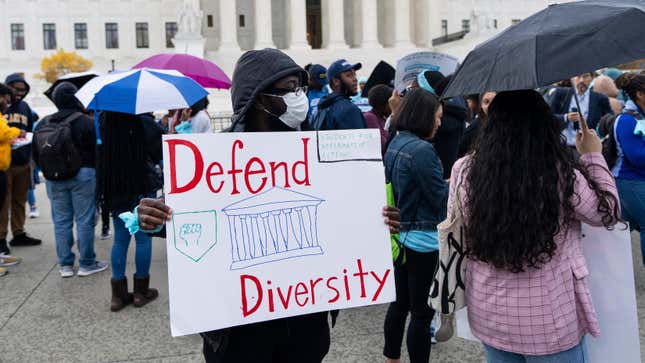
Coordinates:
[279,92]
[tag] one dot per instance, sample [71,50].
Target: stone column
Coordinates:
[370,24]
[5,34]
[228,25]
[434,20]
[298,29]
[402,24]
[333,21]
[263,30]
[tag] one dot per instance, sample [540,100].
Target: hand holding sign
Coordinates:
[153,213]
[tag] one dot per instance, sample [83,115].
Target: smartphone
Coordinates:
[576,125]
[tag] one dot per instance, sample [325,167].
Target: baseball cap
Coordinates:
[340,66]
[318,73]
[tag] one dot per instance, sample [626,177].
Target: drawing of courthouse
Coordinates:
[275,225]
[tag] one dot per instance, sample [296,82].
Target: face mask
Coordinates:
[184,127]
[297,108]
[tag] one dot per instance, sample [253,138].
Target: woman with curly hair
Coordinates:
[524,198]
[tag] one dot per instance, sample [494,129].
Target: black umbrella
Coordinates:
[78,79]
[383,73]
[556,43]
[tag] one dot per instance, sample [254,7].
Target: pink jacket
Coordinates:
[538,311]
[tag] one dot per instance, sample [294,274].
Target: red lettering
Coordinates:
[270,293]
[285,302]
[313,284]
[248,171]
[337,297]
[347,294]
[234,171]
[304,163]
[361,275]
[301,289]
[199,165]
[381,283]
[245,310]
[210,173]
[274,167]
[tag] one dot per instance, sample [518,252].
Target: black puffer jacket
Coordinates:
[446,141]
[255,71]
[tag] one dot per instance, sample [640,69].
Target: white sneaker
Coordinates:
[98,266]
[9,260]
[66,271]
[34,213]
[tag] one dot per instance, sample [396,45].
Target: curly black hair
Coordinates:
[521,185]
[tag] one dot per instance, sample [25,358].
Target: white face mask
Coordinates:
[297,108]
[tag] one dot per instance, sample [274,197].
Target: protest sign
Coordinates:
[272,225]
[611,282]
[408,67]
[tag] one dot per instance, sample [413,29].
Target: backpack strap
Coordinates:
[71,117]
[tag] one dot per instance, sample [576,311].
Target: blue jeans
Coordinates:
[142,256]
[31,198]
[577,354]
[632,204]
[74,200]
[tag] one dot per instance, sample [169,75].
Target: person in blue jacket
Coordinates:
[629,169]
[336,111]
[317,88]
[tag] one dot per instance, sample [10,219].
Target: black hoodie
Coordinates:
[254,72]
[20,115]
[448,137]
[83,134]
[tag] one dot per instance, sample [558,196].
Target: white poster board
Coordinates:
[271,225]
[408,67]
[611,281]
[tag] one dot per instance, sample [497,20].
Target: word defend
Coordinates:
[255,168]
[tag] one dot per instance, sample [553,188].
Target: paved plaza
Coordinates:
[44,318]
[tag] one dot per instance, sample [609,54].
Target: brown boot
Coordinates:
[120,295]
[142,293]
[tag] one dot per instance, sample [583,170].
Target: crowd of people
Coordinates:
[522,165]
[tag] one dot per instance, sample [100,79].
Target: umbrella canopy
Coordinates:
[204,72]
[554,44]
[140,91]
[78,79]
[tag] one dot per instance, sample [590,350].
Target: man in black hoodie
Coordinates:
[259,79]
[19,174]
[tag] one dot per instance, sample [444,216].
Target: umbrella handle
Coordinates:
[583,123]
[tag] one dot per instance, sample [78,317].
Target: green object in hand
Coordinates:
[398,253]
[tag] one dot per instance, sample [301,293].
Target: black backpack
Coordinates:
[606,131]
[58,156]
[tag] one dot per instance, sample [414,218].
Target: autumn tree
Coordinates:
[61,63]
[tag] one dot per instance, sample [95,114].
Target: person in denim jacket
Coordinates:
[415,171]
